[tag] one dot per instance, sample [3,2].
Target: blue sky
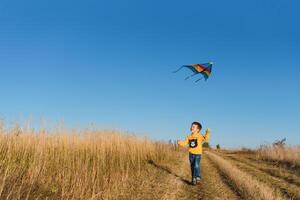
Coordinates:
[110,63]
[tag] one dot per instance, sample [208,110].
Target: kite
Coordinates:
[204,69]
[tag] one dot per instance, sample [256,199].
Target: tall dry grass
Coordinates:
[286,154]
[245,183]
[86,165]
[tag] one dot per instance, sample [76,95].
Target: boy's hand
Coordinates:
[207,130]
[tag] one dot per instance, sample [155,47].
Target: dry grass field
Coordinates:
[86,165]
[93,164]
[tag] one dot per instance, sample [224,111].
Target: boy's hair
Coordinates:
[198,124]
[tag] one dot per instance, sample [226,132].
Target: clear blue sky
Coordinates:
[110,63]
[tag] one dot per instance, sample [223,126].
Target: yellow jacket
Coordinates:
[195,140]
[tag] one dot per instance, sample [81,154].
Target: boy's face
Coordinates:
[194,128]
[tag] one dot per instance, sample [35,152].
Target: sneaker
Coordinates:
[198,179]
[194,181]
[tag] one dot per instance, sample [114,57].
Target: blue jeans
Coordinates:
[195,164]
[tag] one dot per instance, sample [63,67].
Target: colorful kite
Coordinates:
[204,69]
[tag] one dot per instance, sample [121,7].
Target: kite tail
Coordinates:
[178,69]
[190,76]
[198,80]
[187,78]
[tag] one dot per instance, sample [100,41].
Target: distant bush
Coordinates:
[206,145]
[246,150]
[279,143]
[218,146]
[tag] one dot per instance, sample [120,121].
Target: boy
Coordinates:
[195,140]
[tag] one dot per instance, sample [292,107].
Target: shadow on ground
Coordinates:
[166,169]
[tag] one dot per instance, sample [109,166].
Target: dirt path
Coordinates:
[272,170]
[288,187]
[176,181]
[214,185]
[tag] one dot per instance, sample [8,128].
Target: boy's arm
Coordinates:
[184,142]
[207,135]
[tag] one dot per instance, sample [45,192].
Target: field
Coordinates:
[92,164]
